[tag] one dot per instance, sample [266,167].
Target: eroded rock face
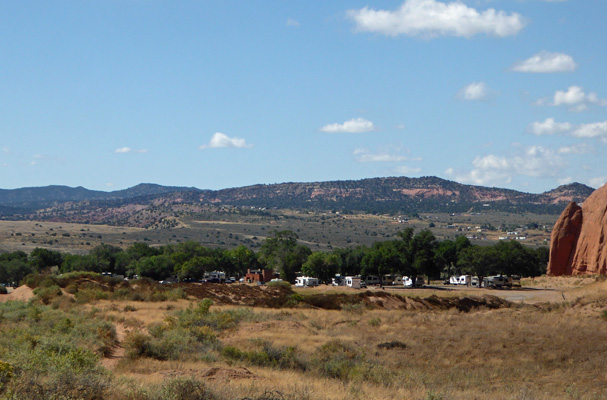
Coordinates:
[578,241]
[564,239]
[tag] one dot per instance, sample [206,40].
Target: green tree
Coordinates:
[282,253]
[321,265]
[422,248]
[155,267]
[40,259]
[480,261]
[243,258]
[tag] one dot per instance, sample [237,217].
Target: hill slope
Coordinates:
[392,194]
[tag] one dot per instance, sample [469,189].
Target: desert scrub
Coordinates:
[164,343]
[53,353]
[340,360]
[283,284]
[6,373]
[266,355]
[46,294]
[201,315]
[174,389]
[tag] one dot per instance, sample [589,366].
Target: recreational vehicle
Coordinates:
[353,282]
[306,281]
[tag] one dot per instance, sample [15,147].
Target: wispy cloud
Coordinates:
[546,62]
[406,170]
[292,22]
[356,125]
[431,18]
[222,140]
[475,91]
[495,170]
[365,155]
[580,148]
[597,181]
[125,150]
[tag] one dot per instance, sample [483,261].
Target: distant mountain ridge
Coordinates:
[390,194]
[57,193]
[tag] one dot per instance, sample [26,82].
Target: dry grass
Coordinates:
[547,351]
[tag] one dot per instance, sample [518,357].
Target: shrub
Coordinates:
[283,284]
[6,373]
[175,389]
[47,293]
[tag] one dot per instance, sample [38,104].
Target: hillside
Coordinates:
[147,204]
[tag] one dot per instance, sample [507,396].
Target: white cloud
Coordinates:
[433,18]
[222,140]
[357,125]
[591,130]
[597,181]
[581,148]
[549,127]
[474,91]
[292,22]
[565,181]
[405,170]
[575,98]
[6,150]
[546,62]
[124,150]
[363,155]
[494,170]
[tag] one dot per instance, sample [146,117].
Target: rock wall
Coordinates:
[578,242]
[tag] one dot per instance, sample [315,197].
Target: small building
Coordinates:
[259,275]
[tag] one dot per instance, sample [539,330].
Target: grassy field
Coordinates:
[319,231]
[551,343]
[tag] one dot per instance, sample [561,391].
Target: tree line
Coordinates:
[409,254]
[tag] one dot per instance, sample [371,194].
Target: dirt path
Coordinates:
[118,351]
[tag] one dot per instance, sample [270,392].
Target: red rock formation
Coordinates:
[564,239]
[578,242]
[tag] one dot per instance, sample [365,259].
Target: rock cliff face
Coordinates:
[579,238]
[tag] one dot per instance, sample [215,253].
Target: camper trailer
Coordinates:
[461,280]
[372,280]
[495,282]
[408,282]
[306,281]
[353,282]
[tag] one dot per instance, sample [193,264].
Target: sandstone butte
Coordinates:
[577,243]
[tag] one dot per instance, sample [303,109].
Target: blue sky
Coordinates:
[107,94]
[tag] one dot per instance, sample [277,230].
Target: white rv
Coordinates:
[353,282]
[306,281]
[408,282]
[461,280]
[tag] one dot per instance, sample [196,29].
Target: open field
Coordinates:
[228,229]
[550,342]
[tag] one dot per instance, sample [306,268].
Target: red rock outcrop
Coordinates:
[578,242]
